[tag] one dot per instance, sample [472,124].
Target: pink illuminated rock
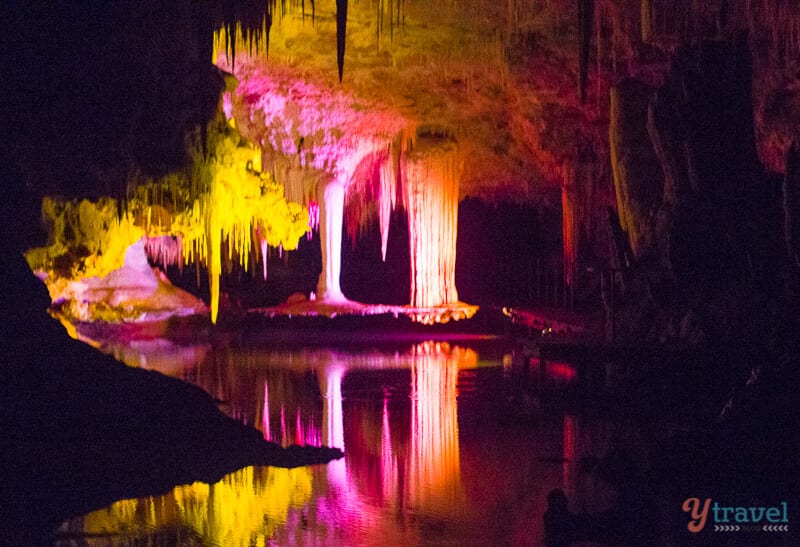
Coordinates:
[134,292]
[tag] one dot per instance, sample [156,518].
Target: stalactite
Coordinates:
[388,197]
[264,257]
[585,17]
[401,12]
[341,34]
[165,250]
[647,20]
[391,21]
[378,27]
[430,190]
[213,231]
[228,201]
[569,225]
[622,255]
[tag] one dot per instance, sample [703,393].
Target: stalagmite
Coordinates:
[432,171]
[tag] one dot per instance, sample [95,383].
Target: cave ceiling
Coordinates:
[506,92]
[103,90]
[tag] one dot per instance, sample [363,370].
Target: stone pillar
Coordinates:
[432,172]
[330,196]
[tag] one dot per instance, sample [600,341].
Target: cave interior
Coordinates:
[636,152]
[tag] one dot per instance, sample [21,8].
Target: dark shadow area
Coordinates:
[81,430]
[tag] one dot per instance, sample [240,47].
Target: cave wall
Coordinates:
[709,226]
[638,180]
[102,94]
[689,184]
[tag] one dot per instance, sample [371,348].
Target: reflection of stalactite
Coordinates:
[570,453]
[244,508]
[419,461]
[274,419]
[242,25]
[265,428]
[330,380]
[388,457]
[432,171]
[332,417]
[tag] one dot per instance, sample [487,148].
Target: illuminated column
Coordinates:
[432,172]
[331,213]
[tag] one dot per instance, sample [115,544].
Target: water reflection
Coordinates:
[444,444]
[434,467]
[245,508]
[400,436]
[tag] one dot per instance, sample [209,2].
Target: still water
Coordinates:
[446,443]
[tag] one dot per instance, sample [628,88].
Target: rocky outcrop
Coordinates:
[135,292]
[81,430]
[702,216]
[638,181]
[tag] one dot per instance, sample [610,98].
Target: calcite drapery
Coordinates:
[430,191]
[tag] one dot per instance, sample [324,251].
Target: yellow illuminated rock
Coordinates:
[224,202]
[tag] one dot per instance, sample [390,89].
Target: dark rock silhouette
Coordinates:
[81,430]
